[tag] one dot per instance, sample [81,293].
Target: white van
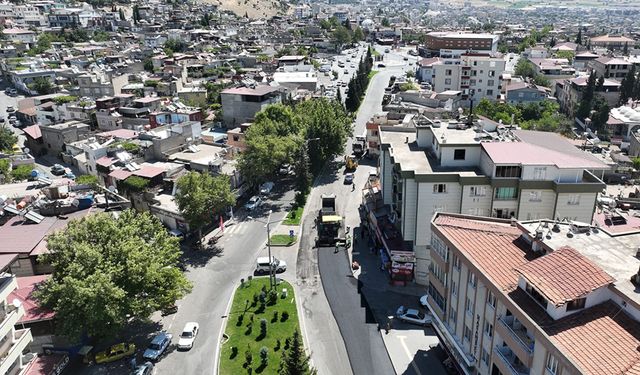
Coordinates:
[262,265]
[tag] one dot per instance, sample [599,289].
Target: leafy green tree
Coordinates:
[601,114]
[133,184]
[579,37]
[295,360]
[136,14]
[586,101]
[87,179]
[21,172]
[42,85]
[121,14]
[148,65]
[175,45]
[200,196]
[569,55]
[352,102]
[339,96]
[625,50]
[525,68]
[385,22]
[341,36]
[108,270]
[5,169]
[358,35]
[7,139]
[627,86]
[325,24]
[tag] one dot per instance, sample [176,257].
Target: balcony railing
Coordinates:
[21,339]
[511,361]
[518,332]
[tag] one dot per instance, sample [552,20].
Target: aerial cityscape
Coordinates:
[341,187]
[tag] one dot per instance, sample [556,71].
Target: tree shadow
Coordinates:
[261,368]
[197,258]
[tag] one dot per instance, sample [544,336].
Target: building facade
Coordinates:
[450,44]
[477,76]
[534,297]
[240,105]
[483,171]
[14,343]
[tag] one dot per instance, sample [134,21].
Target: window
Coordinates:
[485,357]
[489,92]
[491,82]
[478,191]
[492,73]
[473,281]
[508,171]
[453,316]
[454,288]
[447,81]
[576,304]
[456,262]
[467,333]
[439,188]
[459,154]
[536,295]
[468,306]
[491,299]
[552,364]
[574,200]
[447,72]
[439,247]
[472,82]
[506,193]
[535,196]
[488,329]
[539,173]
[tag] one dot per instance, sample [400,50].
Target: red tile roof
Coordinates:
[6,260]
[564,275]
[148,171]
[601,339]
[525,153]
[32,310]
[120,133]
[492,246]
[21,237]
[33,131]
[120,174]
[105,161]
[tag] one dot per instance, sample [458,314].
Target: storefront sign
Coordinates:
[403,256]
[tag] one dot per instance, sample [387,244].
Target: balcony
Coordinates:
[508,362]
[515,335]
[461,356]
[9,318]
[21,339]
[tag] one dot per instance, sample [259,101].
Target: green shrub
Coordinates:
[21,172]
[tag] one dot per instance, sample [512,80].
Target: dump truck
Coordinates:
[350,163]
[329,223]
[359,146]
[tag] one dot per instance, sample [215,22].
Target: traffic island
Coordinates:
[294,216]
[282,240]
[259,328]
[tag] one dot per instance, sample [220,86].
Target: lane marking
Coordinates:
[222,329]
[406,350]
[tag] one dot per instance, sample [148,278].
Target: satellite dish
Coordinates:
[75,203]
[16,303]
[112,188]
[26,150]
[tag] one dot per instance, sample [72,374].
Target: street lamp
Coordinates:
[267,224]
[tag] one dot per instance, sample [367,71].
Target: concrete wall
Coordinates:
[583,211]
[536,204]
[472,154]
[475,204]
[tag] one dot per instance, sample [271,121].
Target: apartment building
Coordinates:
[97,85]
[450,44]
[611,42]
[569,92]
[14,343]
[240,104]
[535,297]
[484,170]
[610,67]
[477,76]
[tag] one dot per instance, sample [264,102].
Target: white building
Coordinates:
[477,76]
[14,343]
[483,171]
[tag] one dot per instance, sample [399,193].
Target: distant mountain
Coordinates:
[253,8]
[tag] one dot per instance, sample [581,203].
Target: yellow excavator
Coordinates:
[350,163]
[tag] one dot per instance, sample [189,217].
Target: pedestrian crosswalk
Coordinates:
[234,229]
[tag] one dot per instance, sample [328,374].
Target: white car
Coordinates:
[254,202]
[262,265]
[413,316]
[266,188]
[188,335]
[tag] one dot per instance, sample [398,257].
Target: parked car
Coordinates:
[69,175]
[116,352]
[348,178]
[143,369]
[158,346]
[386,50]
[266,187]
[381,65]
[58,170]
[253,203]
[405,58]
[285,169]
[176,233]
[413,316]
[188,335]
[10,109]
[263,264]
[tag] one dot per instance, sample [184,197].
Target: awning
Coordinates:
[331,218]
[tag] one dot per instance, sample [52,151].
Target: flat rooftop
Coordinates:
[615,254]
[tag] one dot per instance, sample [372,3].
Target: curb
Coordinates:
[216,368]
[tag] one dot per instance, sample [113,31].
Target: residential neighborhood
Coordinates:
[319,187]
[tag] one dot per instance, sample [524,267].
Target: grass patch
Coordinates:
[244,333]
[372,73]
[294,216]
[282,240]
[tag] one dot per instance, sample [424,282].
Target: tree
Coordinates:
[200,196]
[385,22]
[136,14]
[108,270]
[552,42]
[525,68]
[627,86]
[625,50]
[294,360]
[148,65]
[569,55]
[175,45]
[600,84]
[7,139]
[601,114]
[121,14]
[358,35]
[302,169]
[341,36]
[579,37]
[42,85]
[339,96]
[352,102]
[586,102]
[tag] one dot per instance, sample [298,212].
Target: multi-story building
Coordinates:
[451,44]
[611,42]
[610,67]
[477,76]
[240,104]
[14,343]
[536,297]
[485,170]
[569,92]
[524,92]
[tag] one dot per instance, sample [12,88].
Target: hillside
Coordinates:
[253,8]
